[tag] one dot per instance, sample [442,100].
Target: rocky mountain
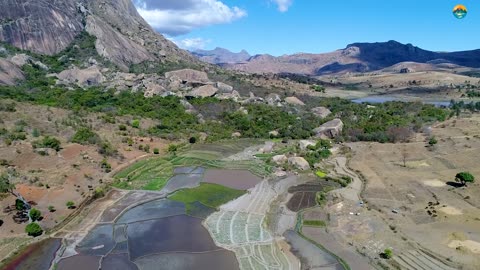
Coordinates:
[221,56]
[49,26]
[357,57]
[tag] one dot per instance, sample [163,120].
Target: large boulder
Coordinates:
[304,144]
[9,73]
[299,163]
[321,112]
[294,101]
[187,76]
[273,99]
[330,129]
[234,95]
[153,89]
[224,88]
[280,159]
[268,147]
[82,77]
[203,91]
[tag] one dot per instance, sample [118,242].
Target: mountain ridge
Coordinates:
[355,57]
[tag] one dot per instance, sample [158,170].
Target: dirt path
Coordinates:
[353,190]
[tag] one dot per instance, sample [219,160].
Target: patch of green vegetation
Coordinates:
[386,122]
[320,174]
[33,229]
[314,223]
[211,195]
[156,184]
[47,142]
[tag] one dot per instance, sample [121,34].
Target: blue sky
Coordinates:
[289,26]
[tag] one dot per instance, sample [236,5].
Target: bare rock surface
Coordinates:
[299,163]
[294,101]
[82,77]
[203,91]
[330,129]
[321,112]
[9,73]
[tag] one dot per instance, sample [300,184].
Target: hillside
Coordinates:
[356,57]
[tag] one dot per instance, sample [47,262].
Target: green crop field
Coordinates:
[314,223]
[211,195]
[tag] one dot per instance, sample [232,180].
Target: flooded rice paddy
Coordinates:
[158,231]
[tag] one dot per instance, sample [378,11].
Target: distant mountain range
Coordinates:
[221,56]
[356,57]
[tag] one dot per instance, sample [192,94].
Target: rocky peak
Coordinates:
[49,26]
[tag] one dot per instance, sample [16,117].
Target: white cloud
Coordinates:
[177,17]
[283,5]
[191,44]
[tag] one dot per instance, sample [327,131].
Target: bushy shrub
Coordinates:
[33,229]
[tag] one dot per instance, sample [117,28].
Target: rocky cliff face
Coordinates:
[41,26]
[49,26]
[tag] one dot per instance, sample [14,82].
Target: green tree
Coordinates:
[464,178]
[19,205]
[48,142]
[85,136]
[387,253]
[51,208]
[70,205]
[35,133]
[35,214]
[156,151]
[122,127]
[136,123]
[5,185]
[432,141]
[33,229]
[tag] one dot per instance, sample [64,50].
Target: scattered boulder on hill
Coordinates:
[9,73]
[294,101]
[203,92]
[267,148]
[330,129]
[304,144]
[224,88]
[23,59]
[321,112]
[82,77]
[273,99]
[188,76]
[234,95]
[299,163]
[279,159]
[153,89]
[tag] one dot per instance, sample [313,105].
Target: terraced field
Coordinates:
[240,226]
[419,260]
[154,173]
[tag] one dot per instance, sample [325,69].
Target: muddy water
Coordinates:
[173,234]
[185,261]
[236,179]
[38,256]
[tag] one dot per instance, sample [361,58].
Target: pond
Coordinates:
[36,256]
